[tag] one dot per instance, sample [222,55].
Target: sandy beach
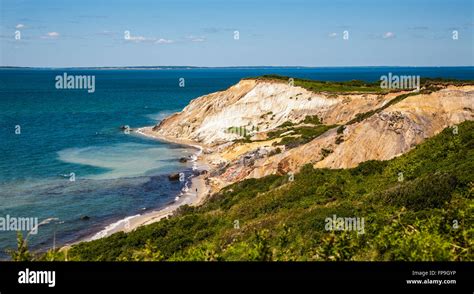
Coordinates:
[196,194]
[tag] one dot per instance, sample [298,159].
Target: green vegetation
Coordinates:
[427,216]
[286,124]
[300,135]
[340,130]
[428,87]
[330,87]
[339,140]
[436,82]
[325,152]
[357,86]
[297,134]
[21,253]
[241,131]
[312,119]
[363,116]
[274,151]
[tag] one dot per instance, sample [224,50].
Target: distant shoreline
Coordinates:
[172,67]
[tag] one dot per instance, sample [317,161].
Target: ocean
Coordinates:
[50,136]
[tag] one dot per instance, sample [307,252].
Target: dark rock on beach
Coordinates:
[173,177]
[200,172]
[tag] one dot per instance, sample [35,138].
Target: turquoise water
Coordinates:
[116,174]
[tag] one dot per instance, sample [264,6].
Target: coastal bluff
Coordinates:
[259,127]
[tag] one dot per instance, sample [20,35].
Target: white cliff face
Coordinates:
[266,106]
[261,105]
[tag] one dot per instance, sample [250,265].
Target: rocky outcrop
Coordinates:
[173,177]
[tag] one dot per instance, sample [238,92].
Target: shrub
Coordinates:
[340,130]
[369,167]
[325,152]
[430,191]
[312,119]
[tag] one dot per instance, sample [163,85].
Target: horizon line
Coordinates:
[217,67]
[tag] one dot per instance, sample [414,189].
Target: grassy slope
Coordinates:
[427,216]
[328,86]
[357,86]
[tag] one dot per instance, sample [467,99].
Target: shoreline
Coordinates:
[131,223]
[194,195]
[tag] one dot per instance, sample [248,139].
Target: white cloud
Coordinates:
[20,26]
[196,38]
[388,35]
[164,41]
[51,35]
[106,33]
[138,39]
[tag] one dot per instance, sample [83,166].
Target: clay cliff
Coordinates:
[358,126]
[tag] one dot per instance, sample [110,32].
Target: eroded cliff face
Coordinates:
[265,105]
[383,136]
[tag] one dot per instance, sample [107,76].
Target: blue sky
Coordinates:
[201,33]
